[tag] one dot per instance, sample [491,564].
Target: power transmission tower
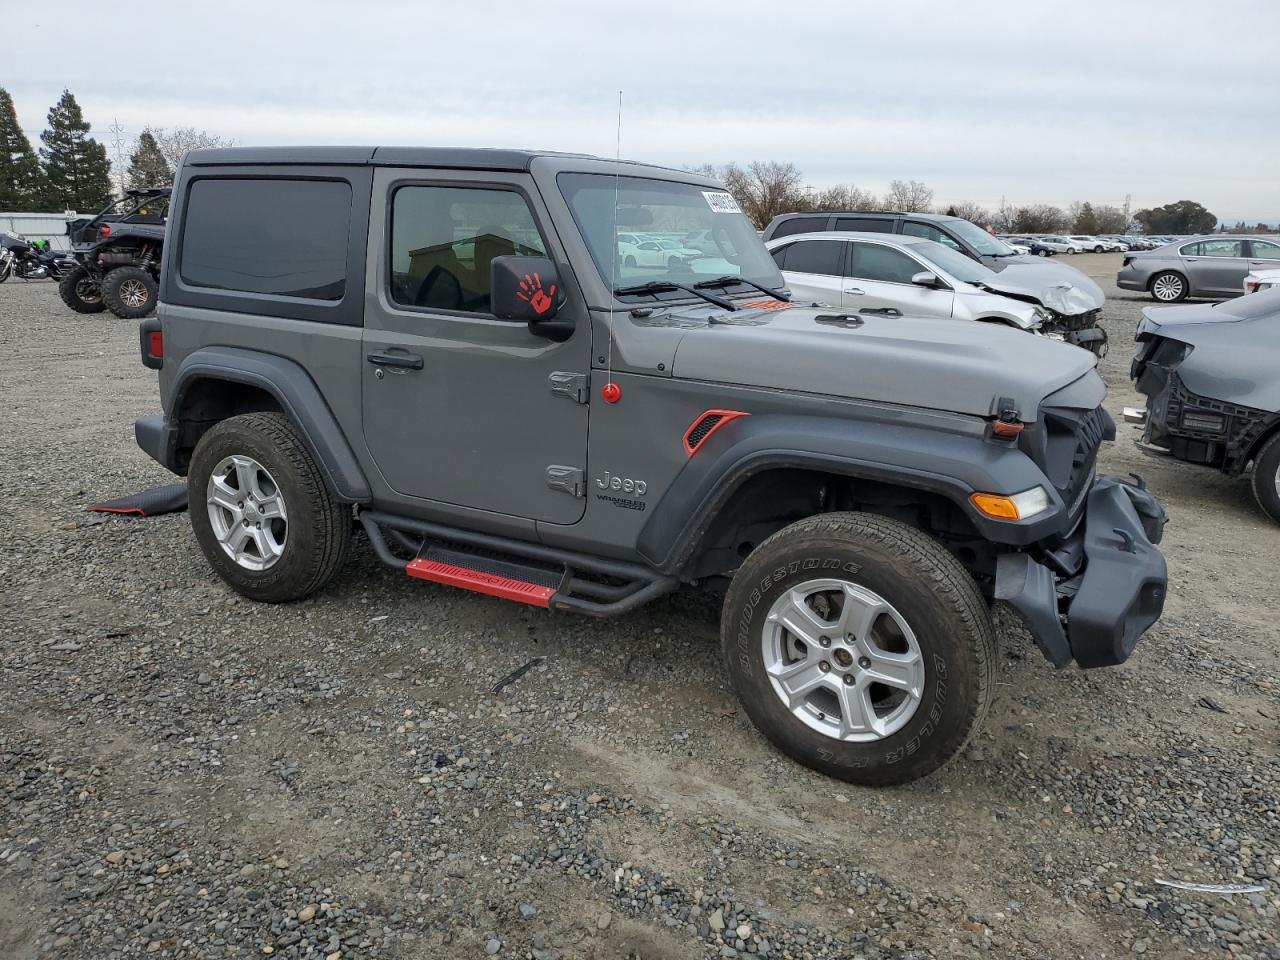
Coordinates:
[118,150]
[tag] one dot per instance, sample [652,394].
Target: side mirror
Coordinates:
[524,289]
[926,278]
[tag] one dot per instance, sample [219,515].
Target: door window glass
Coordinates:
[815,256]
[1265,250]
[444,241]
[914,228]
[866,224]
[874,261]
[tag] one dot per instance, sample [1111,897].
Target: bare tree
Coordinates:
[173,144]
[1038,218]
[843,196]
[1110,219]
[908,196]
[973,212]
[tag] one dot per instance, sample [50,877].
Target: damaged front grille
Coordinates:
[1065,446]
[1080,329]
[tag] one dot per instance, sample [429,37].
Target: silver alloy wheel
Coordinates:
[133,293]
[1167,287]
[843,660]
[247,512]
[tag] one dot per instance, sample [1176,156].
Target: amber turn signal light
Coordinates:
[1020,506]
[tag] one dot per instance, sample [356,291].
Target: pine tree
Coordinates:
[76,170]
[20,186]
[147,166]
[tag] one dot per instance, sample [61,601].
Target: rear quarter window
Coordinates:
[277,237]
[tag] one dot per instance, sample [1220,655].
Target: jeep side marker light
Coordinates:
[1020,506]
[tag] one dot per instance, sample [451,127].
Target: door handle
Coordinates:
[410,361]
[855,291]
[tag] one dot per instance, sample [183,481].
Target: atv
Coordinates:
[118,256]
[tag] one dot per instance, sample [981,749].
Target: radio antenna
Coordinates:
[613,278]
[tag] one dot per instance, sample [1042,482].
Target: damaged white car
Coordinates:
[897,275]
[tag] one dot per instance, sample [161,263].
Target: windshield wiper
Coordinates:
[662,286]
[730,279]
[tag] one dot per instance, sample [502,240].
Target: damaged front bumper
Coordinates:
[1092,597]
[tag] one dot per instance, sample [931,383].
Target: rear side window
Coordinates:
[1265,250]
[814,256]
[866,224]
[796,225]
[286,238]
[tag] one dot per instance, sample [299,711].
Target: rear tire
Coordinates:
[80,292]
[1266,478]
[1169,286]
[298,557]
[910,599]
[129,292]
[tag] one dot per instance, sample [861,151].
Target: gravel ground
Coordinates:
[184,773]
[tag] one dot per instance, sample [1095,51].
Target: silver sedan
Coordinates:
[1210,266]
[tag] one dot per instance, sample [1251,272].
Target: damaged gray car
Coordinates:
[1213,397]
[874,273]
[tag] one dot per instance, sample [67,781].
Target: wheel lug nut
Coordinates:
[848,679]
[824,666]
[864,663]
[825,641]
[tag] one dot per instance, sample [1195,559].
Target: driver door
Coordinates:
[458,406]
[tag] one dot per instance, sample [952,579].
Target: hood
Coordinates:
[1061,288]
[937,364]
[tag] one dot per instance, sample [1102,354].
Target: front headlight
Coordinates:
[1020,506]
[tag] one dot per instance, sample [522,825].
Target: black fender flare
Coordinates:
[299,398]
[951,464]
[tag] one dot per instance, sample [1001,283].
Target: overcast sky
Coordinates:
[1034,102]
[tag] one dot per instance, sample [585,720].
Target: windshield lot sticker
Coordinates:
[721,202]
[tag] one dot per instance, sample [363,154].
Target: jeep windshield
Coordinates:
[980,240]
[666,233]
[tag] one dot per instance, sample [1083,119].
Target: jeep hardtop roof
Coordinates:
[465,158]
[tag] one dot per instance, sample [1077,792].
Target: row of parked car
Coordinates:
[1050,244]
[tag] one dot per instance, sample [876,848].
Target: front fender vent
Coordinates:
[705,425]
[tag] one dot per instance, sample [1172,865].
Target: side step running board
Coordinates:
[527,573]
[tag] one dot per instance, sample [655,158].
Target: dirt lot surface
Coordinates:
[184,773]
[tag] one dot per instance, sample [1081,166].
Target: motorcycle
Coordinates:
[28,260]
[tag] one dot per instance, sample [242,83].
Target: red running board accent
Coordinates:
[479,582]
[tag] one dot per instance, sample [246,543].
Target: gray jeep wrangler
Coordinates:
[578,384]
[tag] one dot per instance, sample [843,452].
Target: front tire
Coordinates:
[860,647]
[1266,478]
[80,292]
[129,292]
[1169,287]
[261,512]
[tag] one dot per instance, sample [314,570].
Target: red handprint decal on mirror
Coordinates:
[531,292]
